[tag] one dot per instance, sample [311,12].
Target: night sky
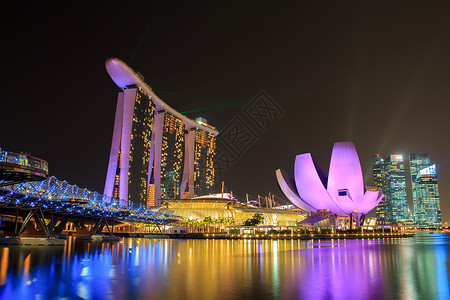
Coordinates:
[375,74]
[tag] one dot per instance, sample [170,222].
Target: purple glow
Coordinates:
[120,73]
[345,174]
[309,186]
[124,76]
[344,191]
[287,185]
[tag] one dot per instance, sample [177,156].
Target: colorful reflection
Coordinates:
[414,268]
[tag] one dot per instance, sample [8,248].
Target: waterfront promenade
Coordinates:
[309,236]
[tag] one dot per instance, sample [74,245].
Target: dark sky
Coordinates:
[375,74]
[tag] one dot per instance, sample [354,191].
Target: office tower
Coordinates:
[389,174]
[396,186]
[424,183]
[417,162]
[383,212]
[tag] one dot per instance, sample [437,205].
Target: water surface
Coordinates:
[409,268]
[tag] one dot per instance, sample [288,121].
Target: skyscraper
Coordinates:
[396,186]
[389,174]
[205,145]
[383,211]
[198,178]
[127,176]
[417,162]
[427,211]
[172,156]
[155,150]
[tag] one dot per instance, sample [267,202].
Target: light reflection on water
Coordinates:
[412,268]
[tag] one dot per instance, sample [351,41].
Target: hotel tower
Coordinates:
[156,153]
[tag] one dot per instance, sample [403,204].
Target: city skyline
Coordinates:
[374,75]
[422,206]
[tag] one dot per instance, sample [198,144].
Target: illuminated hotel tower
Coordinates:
[128,163]
[170,148]
[198,174]
[204,149]
[155,149]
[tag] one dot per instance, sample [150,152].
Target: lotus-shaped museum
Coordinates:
[342,192]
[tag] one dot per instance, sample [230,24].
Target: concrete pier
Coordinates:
[31,241]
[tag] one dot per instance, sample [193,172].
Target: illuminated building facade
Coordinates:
[204,149]
[156,152]
[379,180]
[389,174]
[219,206]
[198,178]
[427,211]
[127,177]
[172,156]
[342,193]
[151,195]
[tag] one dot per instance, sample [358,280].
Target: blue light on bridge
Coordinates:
[55,194]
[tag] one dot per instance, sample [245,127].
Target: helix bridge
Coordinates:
[25,191]
[62,197]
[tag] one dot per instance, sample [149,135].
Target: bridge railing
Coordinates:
[58,194]
[23,159]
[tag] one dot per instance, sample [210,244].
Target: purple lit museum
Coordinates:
[342,193]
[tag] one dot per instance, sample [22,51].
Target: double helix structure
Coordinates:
[26,190]
[64,198]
